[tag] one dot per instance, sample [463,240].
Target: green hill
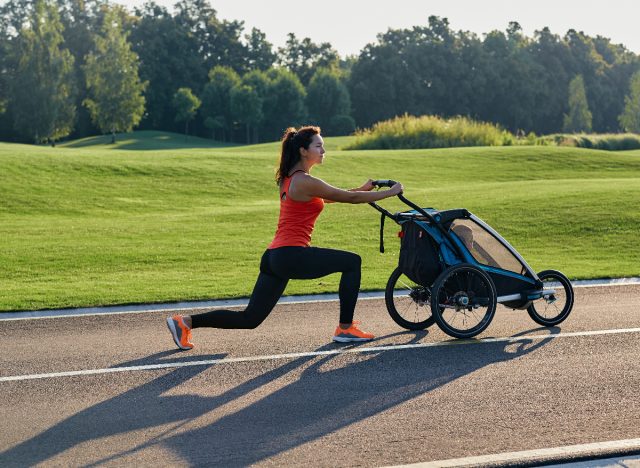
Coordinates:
[145,140]
[152,140]
[92,225]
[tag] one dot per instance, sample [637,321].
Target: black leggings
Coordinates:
[277,267]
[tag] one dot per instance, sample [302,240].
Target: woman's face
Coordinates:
[315,153]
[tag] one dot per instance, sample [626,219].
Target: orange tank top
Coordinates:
[297,219]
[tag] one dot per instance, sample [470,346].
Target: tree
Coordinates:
[327,98]
[513,80]
[260,55]
[374,85]
[284,104]
[579,117]
[630,117]
[216,100]
[214,42]
[246,107]
[553,57]
[303,57]
[115,101]
[80,19]
[168,60]
[5,51]
[416,71]
[42,87]
[259,81]
[186,106]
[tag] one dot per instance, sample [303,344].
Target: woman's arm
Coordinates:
[366,187]
[305,187]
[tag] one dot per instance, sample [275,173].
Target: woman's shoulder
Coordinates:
[305,177]
[305,186]
[301,177]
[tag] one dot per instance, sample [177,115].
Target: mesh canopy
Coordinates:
[485,248]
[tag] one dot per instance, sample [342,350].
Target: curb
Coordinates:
[197,305]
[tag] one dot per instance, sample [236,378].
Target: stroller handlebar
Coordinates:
[398,216]
[390,183]
[384,183]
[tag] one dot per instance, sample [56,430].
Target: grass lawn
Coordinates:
[154,221]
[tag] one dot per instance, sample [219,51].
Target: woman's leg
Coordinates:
[314,262]
[266,292]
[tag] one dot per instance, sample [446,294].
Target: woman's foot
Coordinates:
[351,333]
[180,331]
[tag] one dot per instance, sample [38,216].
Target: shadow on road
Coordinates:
[332,392]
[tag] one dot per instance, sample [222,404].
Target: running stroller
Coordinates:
[454,269]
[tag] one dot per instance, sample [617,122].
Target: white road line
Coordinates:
[208,305]
[540,455]
[273,357]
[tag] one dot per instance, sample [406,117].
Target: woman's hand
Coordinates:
[367,186]
[395,189]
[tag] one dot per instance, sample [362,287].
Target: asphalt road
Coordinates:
[387,406]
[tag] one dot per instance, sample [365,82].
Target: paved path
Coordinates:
[285,395]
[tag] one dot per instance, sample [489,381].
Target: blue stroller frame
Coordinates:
[454,269]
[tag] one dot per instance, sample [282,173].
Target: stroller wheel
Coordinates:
[408,302]
[463,300]
[552,309]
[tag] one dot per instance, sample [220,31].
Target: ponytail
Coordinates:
[292,141]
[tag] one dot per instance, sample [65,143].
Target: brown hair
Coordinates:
[292,141]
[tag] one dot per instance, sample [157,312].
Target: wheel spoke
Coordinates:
[409,302]
[474,314]
[473,283]
[551,310]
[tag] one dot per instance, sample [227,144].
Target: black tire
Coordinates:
[554,310]
[457,294]
[408,302]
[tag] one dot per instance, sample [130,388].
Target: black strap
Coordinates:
[382,232]
[283,195]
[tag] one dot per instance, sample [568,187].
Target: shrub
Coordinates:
[608,142]
[341,125]
[408,132]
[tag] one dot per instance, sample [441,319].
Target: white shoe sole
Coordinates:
[341,339]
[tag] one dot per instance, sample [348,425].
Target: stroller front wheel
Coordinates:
[408,302]
[552,309]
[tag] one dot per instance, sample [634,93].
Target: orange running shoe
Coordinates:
[351,334]
[180,332]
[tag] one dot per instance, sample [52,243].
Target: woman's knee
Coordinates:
[250,321]
[254,315]
[251,324]
[355,261]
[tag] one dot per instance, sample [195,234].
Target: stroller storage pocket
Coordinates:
[419,258]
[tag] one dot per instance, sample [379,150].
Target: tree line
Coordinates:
[519,82]
[71,68]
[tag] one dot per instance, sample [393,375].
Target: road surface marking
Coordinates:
[567,452]
[273,357]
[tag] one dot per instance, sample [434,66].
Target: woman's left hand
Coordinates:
[367,186]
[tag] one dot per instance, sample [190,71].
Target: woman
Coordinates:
[289,256]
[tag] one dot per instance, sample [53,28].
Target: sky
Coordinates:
[351,24]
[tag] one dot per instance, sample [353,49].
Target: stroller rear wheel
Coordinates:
[408,302]
[552,309]
[463,300]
